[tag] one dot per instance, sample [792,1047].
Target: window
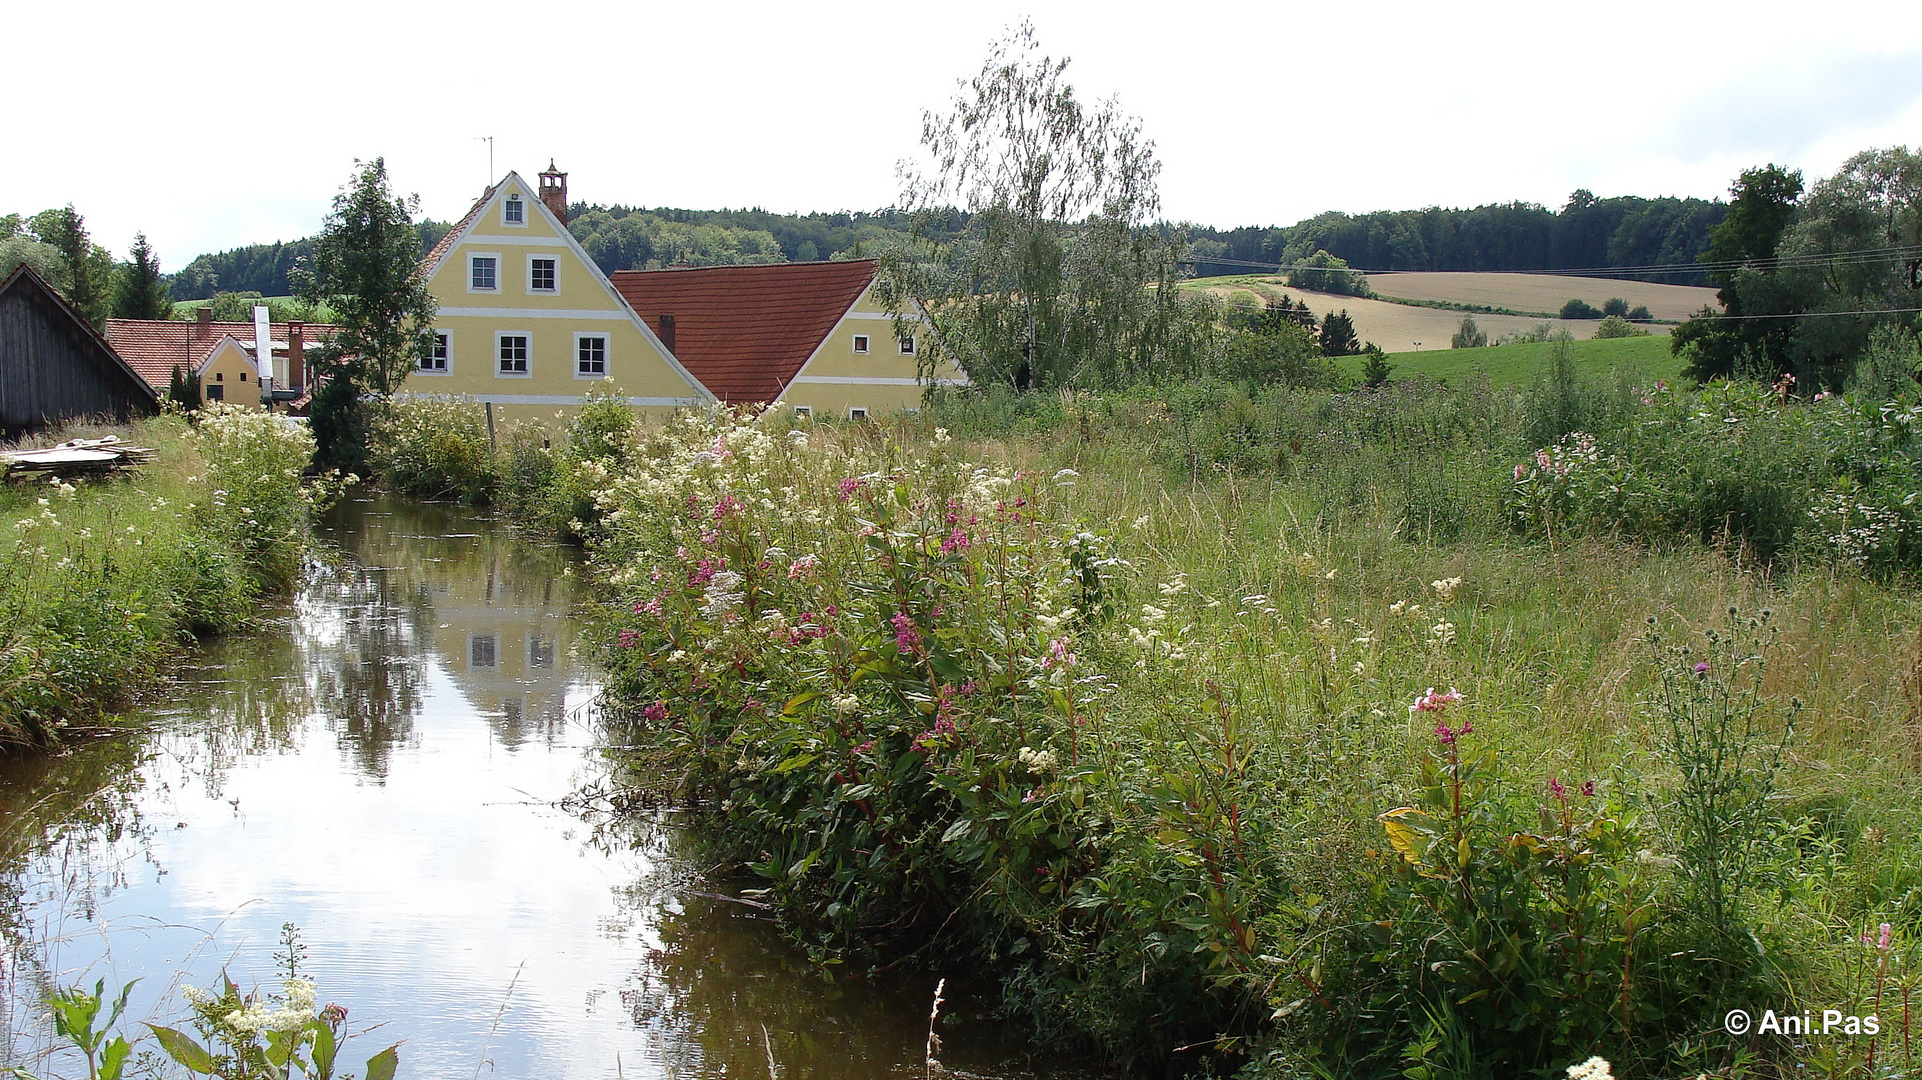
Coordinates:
[220,376]
[803,411]
[907,345]
[216,392]
[513,353]
[543,273]
[514,211]
[861,344]
[482,651]
[435,361]
[590,355]
[857,414]
[540,653]
[483,273]
[243,376]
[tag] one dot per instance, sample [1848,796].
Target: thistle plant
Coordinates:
[1725,740]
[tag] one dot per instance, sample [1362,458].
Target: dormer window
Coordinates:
[514,211]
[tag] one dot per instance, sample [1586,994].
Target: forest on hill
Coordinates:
[1629,233]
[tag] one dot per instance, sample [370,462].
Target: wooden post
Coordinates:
[490,425]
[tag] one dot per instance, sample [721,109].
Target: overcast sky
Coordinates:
[210,124]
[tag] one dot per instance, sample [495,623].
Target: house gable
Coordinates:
[524,308]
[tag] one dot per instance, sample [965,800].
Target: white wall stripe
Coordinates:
[504,313]
[870,380]
[556,399]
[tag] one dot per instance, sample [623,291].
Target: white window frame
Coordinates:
[493,649]
[443,339]
[861,344]
[494,255]
[513,196]
[607,349]
[907,345]
[857,413]
[499,335]
[804,412]
[556,260]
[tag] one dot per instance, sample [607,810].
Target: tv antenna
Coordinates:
[489,140]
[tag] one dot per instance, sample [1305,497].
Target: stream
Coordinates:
[383,764]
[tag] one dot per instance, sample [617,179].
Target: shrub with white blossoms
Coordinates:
[255,1036]
[872,657]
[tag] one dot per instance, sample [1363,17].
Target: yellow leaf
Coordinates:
[1403,834]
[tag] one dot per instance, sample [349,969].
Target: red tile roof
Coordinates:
[153,347]
[745,331]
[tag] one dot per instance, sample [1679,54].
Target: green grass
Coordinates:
[184,309]
[1644,358]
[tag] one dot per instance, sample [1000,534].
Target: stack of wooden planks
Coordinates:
[79,457]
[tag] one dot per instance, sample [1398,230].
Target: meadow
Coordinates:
[1396,327]
[101,581]
[1644,360]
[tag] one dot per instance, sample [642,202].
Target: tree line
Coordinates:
[1625,232]
[56,245]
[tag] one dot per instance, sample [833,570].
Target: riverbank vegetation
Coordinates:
[1438,731]
[101,580]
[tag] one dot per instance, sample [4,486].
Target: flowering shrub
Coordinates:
[435,447]
[867,661]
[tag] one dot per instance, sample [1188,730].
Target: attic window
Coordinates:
[860,344]
[857,414]
[907,345]
[803,411]
[514,212]
[243,376]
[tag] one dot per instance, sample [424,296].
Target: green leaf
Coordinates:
[181,1047]
[796,762]
[113,1057]
[382,1065]
[957,831]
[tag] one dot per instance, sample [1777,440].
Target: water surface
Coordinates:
[385,764]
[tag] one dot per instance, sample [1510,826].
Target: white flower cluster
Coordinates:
[1038,762]
[1595,1068]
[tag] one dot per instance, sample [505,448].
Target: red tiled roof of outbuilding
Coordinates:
[746,331]
[154,347]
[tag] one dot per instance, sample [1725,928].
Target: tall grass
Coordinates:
[100,580]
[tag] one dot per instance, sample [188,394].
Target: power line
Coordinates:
[1864,256]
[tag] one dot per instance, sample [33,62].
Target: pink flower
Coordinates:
[849,486]
[956,541]
[803,566]
[865,748]
[907,639]
[1883,941]
[1059,655]
[710,536]
[629,639]
[1588,789]
[727,504]
[655,712]
[1435,703]
[1521,471]
[1556,789]
[1701,669]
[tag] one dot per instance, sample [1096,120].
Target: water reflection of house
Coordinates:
[491,610]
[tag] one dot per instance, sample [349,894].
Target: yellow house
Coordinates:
[803,336]
[528,323]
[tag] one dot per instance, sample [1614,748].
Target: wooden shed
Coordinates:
[55,367]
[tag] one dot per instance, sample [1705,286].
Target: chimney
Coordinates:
[204,321]
[296,355]
[667,332]
[554,191]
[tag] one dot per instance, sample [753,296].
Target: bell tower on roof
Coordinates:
[554,191]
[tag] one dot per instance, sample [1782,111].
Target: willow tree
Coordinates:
[1031,244]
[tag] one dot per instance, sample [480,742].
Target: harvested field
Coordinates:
[1542,292]
[1643,359]
[1398,327]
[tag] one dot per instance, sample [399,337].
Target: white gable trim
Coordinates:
[802,376]
[214,351]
